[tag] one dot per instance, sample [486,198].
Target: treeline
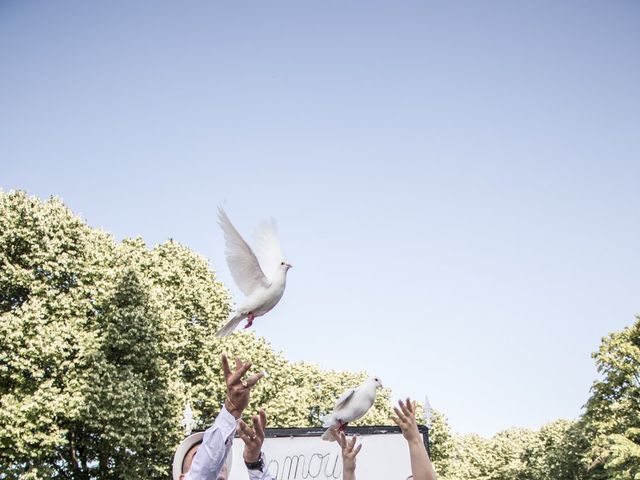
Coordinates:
[604,443]
[103,343]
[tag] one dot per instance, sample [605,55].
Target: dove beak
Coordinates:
[289,265]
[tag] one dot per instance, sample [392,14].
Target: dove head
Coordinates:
[284,265]
[375,382]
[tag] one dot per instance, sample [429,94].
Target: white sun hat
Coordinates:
[183,449]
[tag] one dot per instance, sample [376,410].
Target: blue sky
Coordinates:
[456,183]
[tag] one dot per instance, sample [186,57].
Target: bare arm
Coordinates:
[405,418]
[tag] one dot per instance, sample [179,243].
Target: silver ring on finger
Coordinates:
[245,384]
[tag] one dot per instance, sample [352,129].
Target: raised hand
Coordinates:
[238,390]
[253,437]
[405,418]
[349,453]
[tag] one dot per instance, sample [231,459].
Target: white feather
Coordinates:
[343,398]
[351,406]
[243,264]
[268,247]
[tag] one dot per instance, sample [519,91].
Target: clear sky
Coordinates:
[456,183]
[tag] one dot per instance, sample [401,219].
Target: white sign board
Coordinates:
[303,455]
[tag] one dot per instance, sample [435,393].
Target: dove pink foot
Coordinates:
[250,318]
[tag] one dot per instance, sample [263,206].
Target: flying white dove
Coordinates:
[351,406]
[263,282]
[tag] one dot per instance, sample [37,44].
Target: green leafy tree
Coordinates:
[469,458]
[612,417]
[104,342]
[552,453]
[441,443]
[506,453]
[556,452]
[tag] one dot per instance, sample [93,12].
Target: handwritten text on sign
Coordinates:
[383,457]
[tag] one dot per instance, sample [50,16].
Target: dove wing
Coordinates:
[344,398]
[268,247]
[243,263]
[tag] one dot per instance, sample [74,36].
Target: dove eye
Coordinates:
[281,263]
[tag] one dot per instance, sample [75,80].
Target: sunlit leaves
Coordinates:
[104,342]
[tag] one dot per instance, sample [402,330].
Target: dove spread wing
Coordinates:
[268,247]
[344,398]
[243,263]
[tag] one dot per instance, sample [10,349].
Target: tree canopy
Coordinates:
[604,443]
[612,417]
[104,342]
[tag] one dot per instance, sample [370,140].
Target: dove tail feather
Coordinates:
[231,325]
[327,421]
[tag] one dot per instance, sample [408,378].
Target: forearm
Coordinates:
[349,474]
[421,467]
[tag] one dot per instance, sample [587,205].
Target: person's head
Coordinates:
[185,454]
[188,458]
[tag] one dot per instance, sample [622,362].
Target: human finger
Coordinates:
[239,373]
[257,427]
[336,436]
[244,437]
[410,405]
[355,452]
[401,416]
[251,381]
[244,428]
[243,432]
[395,419]
[404,408]
[263,419]
[250,432]
[345,441]
[352,443]
[225,366]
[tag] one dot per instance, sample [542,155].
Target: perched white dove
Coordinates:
[263,282]
[352,405]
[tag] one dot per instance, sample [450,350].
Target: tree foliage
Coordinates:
[103,342]
[603,444]
[612,417]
